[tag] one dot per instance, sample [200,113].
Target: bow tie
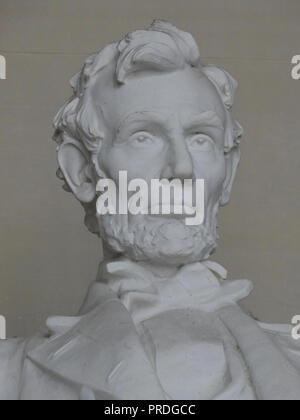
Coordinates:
[201,285]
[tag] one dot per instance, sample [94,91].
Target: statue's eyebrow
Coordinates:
[207,119]
[141,117]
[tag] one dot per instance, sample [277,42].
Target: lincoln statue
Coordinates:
[161,321]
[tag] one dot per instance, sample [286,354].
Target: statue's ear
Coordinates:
[226,85]
[232,162]
[75,165]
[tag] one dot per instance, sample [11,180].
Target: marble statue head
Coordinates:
[148,106]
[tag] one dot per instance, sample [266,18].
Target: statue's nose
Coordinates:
[180,163]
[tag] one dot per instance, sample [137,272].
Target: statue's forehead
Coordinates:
[185,92]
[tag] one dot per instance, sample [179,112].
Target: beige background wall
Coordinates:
[47,259]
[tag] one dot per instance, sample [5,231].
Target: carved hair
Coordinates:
[162,47]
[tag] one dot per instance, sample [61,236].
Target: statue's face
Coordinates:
[163,125]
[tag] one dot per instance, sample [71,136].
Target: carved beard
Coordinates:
[163,240]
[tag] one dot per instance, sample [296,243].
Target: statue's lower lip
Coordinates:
[174,210]
[169,216]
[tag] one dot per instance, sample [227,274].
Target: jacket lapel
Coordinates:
[102,352]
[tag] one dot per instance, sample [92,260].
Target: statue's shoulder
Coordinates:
[281,335]
[12,355]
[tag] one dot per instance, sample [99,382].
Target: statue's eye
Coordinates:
[141,139]
[201,142]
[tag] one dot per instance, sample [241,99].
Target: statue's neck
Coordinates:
[158,270]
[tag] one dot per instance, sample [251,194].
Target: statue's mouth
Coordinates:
[178,211]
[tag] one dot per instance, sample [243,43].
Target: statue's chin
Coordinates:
[160,241]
